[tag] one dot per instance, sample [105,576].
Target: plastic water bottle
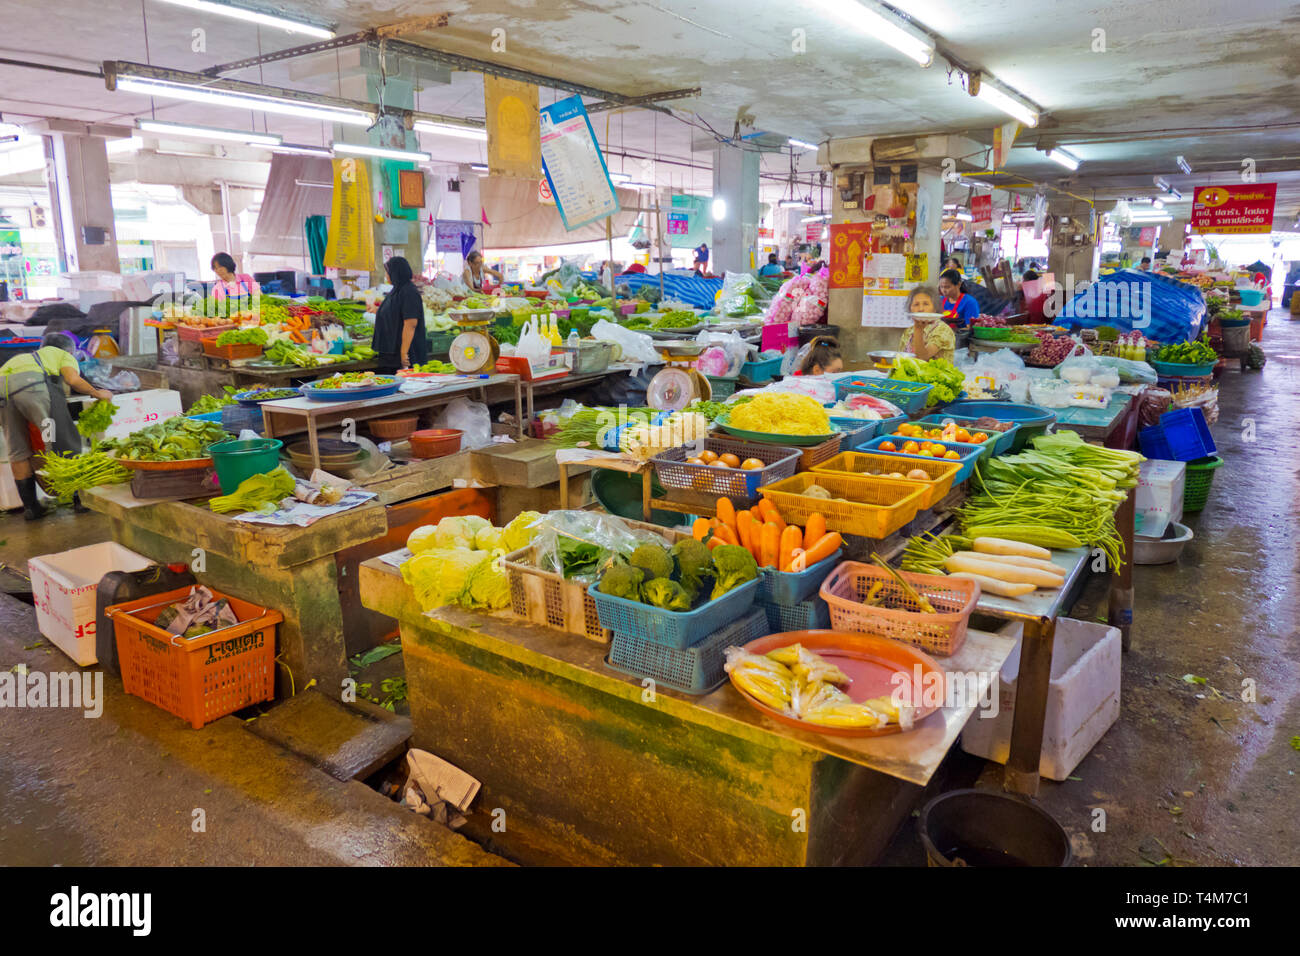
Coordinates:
[572,341]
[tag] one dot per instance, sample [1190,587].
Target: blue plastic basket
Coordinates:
[235,418]
[909,396]
[859,431]
[692,670]
[791,587]
[763,370]
[1032,419]
[1182,435]
[206,417]
[677,629]
[810,615]
[1001,445]
[970,454]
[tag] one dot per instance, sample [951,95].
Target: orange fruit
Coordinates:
[979,437]
[951,454]
[730,460]
[888,446]
[719,464]
[695,461]
[750,464]
[708,457]
[927,453]
[911,448]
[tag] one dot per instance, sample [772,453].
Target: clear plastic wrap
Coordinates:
[581,544]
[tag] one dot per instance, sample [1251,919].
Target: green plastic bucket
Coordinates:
[237,460]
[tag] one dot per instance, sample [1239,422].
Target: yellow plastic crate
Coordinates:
[875,507]
[939,483]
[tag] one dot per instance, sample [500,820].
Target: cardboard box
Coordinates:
[1158,498]
[137,410]
[63,592]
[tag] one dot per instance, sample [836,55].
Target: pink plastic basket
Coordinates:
[898,616]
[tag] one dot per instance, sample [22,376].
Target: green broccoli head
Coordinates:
[694,563]
[622,580]
[666,594]
[653,559]
[733,566]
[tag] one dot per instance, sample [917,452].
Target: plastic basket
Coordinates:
[810,615]
[762,370]
[876,507]
[1177,369]
[233,351]
[590,357]
[552,600]
[697,669]
[235,418]
[909,396]
[994,332]
[942,472]
[970,454]
[197,333]
[1002,444]
[856,433]
[677,629]
[1182,435]
[1032,419]
[440,343]
[721,387]
[814,455]
[791,587]
[737,484]
[900,619]
[202,678]
[1196,486]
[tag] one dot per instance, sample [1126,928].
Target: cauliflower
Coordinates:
[666,594]
[653,559]
[623,581]
[733,566]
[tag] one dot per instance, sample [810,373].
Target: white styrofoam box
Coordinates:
[1159,496]
[137,410]
[63,590]
[8,490]
[1082,700]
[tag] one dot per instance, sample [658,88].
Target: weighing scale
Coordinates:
[680,383]
[474,349]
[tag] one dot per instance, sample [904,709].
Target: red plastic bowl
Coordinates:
[435,442]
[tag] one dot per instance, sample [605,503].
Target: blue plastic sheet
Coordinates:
[695,291]
[1161,308]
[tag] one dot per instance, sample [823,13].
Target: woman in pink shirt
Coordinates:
[230,284]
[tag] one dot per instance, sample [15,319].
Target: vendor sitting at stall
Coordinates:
[399,338]
[821,356]
[474,269]
[929,336]
[32,389]
[773,268]
[230,284]
[958,306]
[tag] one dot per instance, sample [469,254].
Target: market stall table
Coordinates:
[278,376]
[549,386]
[294,415]
[591,768]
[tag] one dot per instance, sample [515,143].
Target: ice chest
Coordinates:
[137,410]
[1082,699]
[1158,499]
[63,591]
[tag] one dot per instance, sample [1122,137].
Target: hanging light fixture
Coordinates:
[255,16]
[212,96]
[993,92]
[881,23]
[188,131]
[450,129]
[381,152]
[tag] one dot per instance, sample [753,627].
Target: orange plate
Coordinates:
[182,464]
[869,661]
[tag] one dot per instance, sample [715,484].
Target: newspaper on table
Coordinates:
[397,558]
[295,511]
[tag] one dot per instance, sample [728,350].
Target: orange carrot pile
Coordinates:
[772,542]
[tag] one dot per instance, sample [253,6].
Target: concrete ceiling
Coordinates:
[1210,81]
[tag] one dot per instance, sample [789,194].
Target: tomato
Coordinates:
[888,446]
[911,448]
[963,435]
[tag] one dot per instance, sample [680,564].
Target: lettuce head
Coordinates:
[488,539]
[458,531]
[489,587]
[423,538]
[441,576]
[520,532]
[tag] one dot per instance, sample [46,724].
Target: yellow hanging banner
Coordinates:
[351,243]
[513,127]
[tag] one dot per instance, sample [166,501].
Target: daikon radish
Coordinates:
[1004,572]
[1014,559]
[994,586]
[1003,546]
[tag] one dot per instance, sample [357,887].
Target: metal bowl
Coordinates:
[1162,550]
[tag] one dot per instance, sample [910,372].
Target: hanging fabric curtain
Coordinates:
[317,230]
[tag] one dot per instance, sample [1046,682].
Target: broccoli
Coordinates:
[733,566]
[653,559]
[622,580]
[667,594]
[694,563]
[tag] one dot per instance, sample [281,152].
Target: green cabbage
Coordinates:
[458,531]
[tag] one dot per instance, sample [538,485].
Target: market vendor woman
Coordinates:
[400,339]
[474,269]
[32,390]
[929,336]
[959,307]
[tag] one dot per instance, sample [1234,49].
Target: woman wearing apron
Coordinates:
[32,390]
[474,269]
[959,308]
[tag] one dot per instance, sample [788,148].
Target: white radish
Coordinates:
[1004,572]
[1015,559]
[994,586]
[1003,546]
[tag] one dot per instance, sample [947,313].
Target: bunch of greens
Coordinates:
[946,378]
[253,336]
[67,474]
[585,427]
[678,319]
[271,394]
[286,353]
[637,322]
[353,380]
[508,334]
[580,558]
[260,493]
[176,439]
[1189,353]
[435,366]
[207,404]
[96,418]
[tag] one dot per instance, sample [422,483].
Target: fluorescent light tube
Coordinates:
[620,178]
[822,218]
[255,16]
[964,217]
[306,182]
[479,167]
[880,24]
[208,132]
[448,129]
[381,152]
[243,101]
[1183,164]
[1161,183]
[993,94]
[1063,158]
[794,204]
[800,144]
[294,149]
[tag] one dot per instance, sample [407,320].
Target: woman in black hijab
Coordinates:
[399,324]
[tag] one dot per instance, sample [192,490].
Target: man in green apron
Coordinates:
[32,390]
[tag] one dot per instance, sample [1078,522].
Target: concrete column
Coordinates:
[81,186]
[1069,262]
[735,235]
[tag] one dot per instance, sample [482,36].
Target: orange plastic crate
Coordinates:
[876,507]
[202,678]
[899,617]
[939,483]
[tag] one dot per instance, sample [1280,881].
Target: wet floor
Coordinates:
[1192,773]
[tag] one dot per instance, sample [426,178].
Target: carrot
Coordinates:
[727,513]
[814,530]
[771,514]
[700,529]
[726,533]
[745,529]
[826,545]
[770,545]
[757,512]
[714,542]
[791,538]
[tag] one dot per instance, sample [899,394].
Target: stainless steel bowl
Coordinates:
[1162,550]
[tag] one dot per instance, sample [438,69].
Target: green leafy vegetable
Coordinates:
[946,378]
[176,439]
[254,336]
[261,493]
[96,418]
[733,566]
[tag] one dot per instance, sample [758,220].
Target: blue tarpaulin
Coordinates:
[1160,307]
[694,290]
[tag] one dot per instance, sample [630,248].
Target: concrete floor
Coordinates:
[1190,774]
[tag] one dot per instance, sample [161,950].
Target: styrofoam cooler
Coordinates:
[1082,700]
[63,591]
[137,410]
[1158,499]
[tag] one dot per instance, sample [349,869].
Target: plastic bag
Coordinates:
[1131,371]
[567,275]
[532,345]
[742,283]
[1078,369]
[472,418]
[581,544]
[103,376]
[734,348]
[636,346]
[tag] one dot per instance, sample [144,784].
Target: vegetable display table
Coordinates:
[1094,424]
[565,383]
[585,765]
[278,376]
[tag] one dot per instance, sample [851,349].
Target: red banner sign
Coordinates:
[849,245]
[1234,209]
[981,211]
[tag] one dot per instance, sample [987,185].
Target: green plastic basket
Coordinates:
[1196,487]
[721,387]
